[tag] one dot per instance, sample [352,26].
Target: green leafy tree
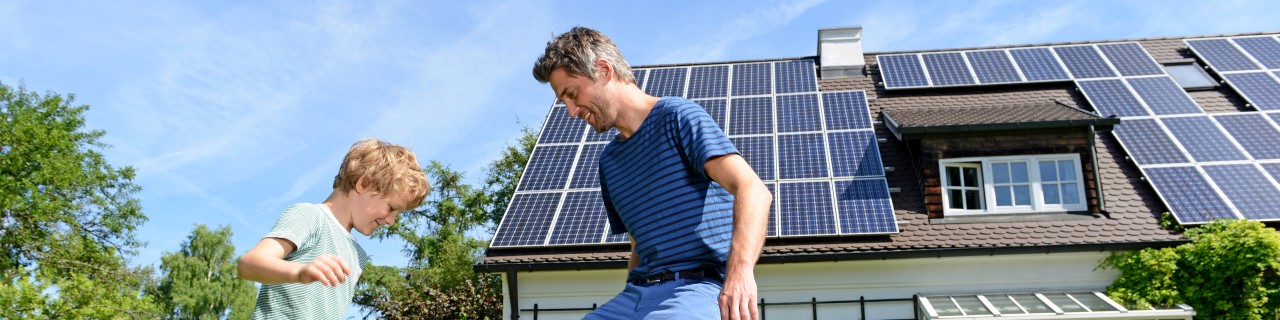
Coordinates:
[199,280]
[67,217]
[1227,271]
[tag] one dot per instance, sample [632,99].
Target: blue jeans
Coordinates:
[675,299]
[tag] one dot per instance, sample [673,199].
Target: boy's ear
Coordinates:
[359,185]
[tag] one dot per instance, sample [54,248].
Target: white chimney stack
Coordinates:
[840,52]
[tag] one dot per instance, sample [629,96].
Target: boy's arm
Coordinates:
[265,263]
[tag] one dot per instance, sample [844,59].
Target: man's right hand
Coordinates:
[328,269]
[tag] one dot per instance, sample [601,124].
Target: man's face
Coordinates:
[585,98]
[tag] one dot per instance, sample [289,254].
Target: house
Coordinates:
[960,183]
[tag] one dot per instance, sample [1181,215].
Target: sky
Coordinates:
[230,111]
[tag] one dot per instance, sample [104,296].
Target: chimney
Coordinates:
[840,52]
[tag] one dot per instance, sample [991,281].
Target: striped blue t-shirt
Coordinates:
[655,186]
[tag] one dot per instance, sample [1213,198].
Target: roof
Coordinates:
[942,119]
[1132,208]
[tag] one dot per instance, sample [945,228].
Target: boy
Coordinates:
[305,264]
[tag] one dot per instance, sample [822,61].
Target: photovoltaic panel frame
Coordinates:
[666,82]
[798,113]
[795,76]
[1257,135]
[1084,62]
[581,219]
[948,69]
[1039,64]
[752,79]
[1202,139]
[806,209]
[993,66]
[902,71]
[1188,194]
[1259,88]
[1131,59]
[709,82]
[865,207]
[1248,188]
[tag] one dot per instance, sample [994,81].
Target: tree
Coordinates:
[199,280]
[67,216]
[1227,271]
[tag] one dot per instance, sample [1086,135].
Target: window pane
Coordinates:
[1048,171]
[1019,171]
[1004,305]
[972,306]
[1067,170]
[943,306]
[1004,197]
[1092,302]
[957,199]
[953,176]
[1069,194]
[1031,303]
[1064,302]
[1000,172]
[971,177]
[1022,195]
[1188,76]
[1050,193]
[973,199]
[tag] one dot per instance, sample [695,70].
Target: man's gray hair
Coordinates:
[576,51]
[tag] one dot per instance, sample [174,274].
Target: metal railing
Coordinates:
[813,303]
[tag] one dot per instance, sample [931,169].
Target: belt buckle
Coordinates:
[653,280]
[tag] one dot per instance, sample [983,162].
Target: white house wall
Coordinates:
[846,280]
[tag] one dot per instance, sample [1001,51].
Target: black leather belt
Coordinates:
[699,273]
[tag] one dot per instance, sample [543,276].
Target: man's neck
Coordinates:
[633,106]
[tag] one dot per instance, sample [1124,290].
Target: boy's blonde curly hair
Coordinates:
[387,169]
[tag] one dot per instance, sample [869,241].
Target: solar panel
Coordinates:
[1253,132]
[1188,195]
[1202,139]
[527,220]
[715,108]
[750,116]
[772,229]
[1221,55]
[639,74]
[562,128]
[666,82]
[586,173]
[752,79]
[799,113]
[806,208]
[902,71]
[548,168]
[796,76]
[1259,88]
[855,154]
[802,156]
[1130,59]
[1147,143]
[608,135]
[758,152]
[1111,97]
[846,110]
[709,82]
[1163,96]
[1084,62]
[947,69]
[581,220]
[865,207]
[1264,49]
[1273,169]
[993,66]
[1039,64]
[1247,187]
[615,238]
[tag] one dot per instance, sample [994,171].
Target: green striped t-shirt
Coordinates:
[315,232]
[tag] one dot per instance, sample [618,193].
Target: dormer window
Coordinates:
[1012,184]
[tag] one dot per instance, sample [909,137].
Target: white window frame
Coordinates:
[946,186]
[1033,176]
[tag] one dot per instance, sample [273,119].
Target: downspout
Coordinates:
[512,292]
[1097,172]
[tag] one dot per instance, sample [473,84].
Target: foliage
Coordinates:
[199,280]
[1168,221]
[67,217]
[1227,271]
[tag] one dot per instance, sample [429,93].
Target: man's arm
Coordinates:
[635,258]
[265,263]
[750,217]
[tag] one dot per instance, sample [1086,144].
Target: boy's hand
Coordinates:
[329,269]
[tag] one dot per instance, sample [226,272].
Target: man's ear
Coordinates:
[604,67]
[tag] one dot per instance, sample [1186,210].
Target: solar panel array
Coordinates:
[1203,166]
[1018,65]
[816,152]
[1250,65]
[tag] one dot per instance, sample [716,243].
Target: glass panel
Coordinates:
[1048,171]
[1031,303]
[953,176]
[1000,172]
[1064,302]
[1004,305]
[1189,76]
[1092,301]
[1050,191]
[1022,195]
[957,199]
[972,199]
[943,306]
[1019,171]
[971,177]
[1069,194]
[1004,197]
[972,306]
[1067,170]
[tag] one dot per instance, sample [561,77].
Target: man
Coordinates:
[694,208]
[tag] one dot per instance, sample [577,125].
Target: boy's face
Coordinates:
[374,210]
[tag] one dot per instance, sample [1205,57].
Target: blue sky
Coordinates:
[233,110]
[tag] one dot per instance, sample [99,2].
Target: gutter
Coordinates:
[921,131]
